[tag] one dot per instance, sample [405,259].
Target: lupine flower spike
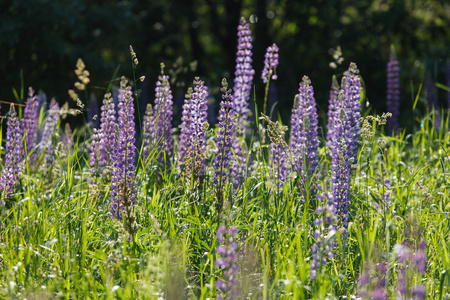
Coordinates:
[195,142]
[270,70]
[333,111]
[304,143]
[30,126]
[244,73]
[149,130]
[14,154]
[344,141]
[50,129]
[393,91]
[228,251]
[163,117]
[123,186]
[224,142]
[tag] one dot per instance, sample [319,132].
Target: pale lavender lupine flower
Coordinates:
[270,63]
[163,117]
[225,139]
[13,154]
[412,261]
[304,142]
[149,132]
[343,142]
[372,282]
[393,92]
[107,134]
[195,137]
[183,138]
[333,108]
[50,128]
[123,186]
[244,73]
[227,262]
[279,169]
[30,122]
[322,247]
[103,139]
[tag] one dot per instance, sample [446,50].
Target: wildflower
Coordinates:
[194,160]
[244,73]
[372,282]
[228,252]
[148,128]
[333,112]
[224,142]
[393,91]
[304,143]
[163,116]
[270,64]
[13,149]
[322,247]
[123,187]
[343,141]
[30,125]
[50,128]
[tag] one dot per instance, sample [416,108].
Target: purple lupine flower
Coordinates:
[412,261]
[393,92]
[13,154]
[352,106]
[333,112]
[270,64]
[244,73]
[279,169]
[163,117]
[149,130]
[94,153]
[224,142]
[30,122]
[322,247]
[123,187]
[107,132]
[193,159]
[304,143]
[50,128]
[343,142]
[183,138]
[372,282]
[228,252]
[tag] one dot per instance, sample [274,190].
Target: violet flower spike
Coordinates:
[163,116]
[50,129]
[224,142]
[123,187]
[184,138]
[333,112]
[278,166]
[393,92]
[13,154]
[304,143]
[244,73]
[149,132]
[107,135]
[227,262]
[30,122]
[270,63]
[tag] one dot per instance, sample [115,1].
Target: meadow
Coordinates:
[246,208]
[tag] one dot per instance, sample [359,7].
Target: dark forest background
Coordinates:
[40,41]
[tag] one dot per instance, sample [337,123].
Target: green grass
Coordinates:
[57,239]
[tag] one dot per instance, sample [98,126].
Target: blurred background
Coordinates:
[40,41]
